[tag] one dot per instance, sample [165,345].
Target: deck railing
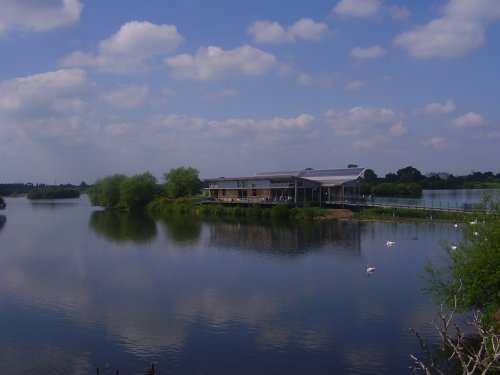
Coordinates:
[352,201]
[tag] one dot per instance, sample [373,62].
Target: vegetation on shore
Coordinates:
[24,188]
[52,192]
[166,206]
[468,280]
[121,192]
[410,182]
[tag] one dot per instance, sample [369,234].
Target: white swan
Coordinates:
[453,247]
[370,269]
[390,243]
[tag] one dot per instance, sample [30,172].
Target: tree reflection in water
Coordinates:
[3,220]
[183,230]
[123,226]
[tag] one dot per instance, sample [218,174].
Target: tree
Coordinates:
[409,174]
[468,281]
[471,272]
[370,175]
[106,192]
[138,190]
[182,182]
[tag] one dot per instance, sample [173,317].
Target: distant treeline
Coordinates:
[52,192]
[20,188]
[410,181]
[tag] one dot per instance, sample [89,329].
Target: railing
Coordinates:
[249,200]
[421,204]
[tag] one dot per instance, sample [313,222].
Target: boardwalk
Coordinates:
[354,203]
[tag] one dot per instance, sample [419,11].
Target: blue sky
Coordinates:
[93,88]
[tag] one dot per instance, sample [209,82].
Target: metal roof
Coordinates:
[278,174]
[333,177]
[326,177]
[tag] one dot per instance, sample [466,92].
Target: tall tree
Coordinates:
[409,174]
[138,190]
[181,182]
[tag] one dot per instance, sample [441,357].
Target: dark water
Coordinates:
[81,288]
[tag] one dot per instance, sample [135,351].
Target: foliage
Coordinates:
[138,190]
[181,182]
[409,181]
[106,192]
[120,191]
[53,192]
[469,280]
[280,211]
[370,176]
[409,174]
[390,189]
[471,272]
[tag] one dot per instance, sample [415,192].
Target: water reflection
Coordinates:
[208,295]
[123,226]
[286,238]
[181,229]
[53,204]
[3,220]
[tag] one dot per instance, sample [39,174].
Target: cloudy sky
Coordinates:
[93,88]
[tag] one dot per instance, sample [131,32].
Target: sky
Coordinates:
[231,88]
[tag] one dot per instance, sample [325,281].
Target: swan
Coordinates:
[456,225]
[453,247]
[370,269]
[390,243]
[473,222]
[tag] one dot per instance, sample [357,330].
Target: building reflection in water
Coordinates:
[288,239]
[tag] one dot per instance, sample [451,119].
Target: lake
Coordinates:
[82,289]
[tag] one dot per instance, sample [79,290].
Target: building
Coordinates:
[308,186]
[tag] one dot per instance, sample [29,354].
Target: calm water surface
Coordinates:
[81,288]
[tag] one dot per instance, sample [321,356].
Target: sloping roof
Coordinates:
[279,174]
[326,177]
[333,177]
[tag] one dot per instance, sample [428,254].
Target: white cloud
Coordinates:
[398,129]
[358,8]
[354,85]
[458,31]
[38,15]
[469,120]
[129,97]
[214,63]
[44,94]
[273,32]
[399,12]
[437,142]
[437,108]
[367,53]
[128,49]
[324,79]
[305,79]
[360,119]
[307,29]
[220,94]
[268,32]
[368,143]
